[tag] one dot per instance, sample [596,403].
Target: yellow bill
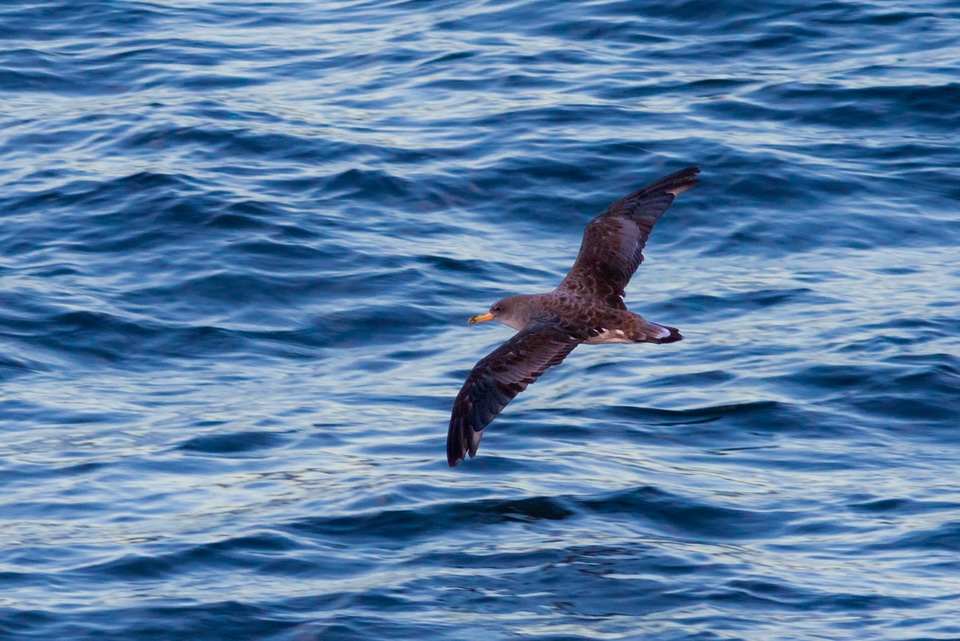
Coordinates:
[482,318]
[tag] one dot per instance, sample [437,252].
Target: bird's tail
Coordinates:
[659,333]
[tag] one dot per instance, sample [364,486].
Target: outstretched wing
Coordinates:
[613,242]
[498,378]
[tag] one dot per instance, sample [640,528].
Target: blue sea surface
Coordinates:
[239,242]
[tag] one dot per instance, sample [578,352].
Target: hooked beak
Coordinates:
[482,318]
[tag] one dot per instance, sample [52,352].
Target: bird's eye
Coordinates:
[497,309]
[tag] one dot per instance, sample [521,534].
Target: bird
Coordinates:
[586,307]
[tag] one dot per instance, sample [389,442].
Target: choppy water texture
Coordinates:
[239,242]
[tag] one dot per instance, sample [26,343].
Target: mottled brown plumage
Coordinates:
[587,307]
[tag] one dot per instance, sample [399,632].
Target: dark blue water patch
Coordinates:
[830,380]
[899,507]
[50,22]
[696,379]
[264,552]
[14,621]
[733,304]
[121,214]
[11,366]
[772,595]
[677,516]
[235,444]
[93,60]
[913,400]
[699,415]
[394,527]
[210,144]
[885,337]
[221,620]
[29,411]
[936,539]
[71,509]
[228,293]
[383,325]
[100,338]
[930,109]
[366,185]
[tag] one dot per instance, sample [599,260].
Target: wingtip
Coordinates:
[460,442]
[456,451]
[682,180]
[462,439]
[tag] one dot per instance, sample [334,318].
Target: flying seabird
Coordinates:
[587,307]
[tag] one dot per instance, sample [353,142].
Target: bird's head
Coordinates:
[512,311]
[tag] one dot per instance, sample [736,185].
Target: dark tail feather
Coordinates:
[660,334]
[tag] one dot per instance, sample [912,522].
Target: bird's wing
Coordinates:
[498,378]
[613,242]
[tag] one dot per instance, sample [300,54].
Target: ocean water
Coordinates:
[239,242]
